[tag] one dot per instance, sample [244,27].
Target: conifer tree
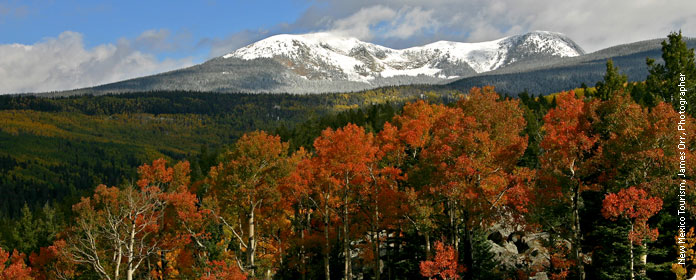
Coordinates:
[664,79]
[25,231]
[613,81]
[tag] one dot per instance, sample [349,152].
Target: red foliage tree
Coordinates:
[559,263]
[342,164]
[52,263]
[298,206]
[118,229]
[379,199]
[473,152]
[571,150]
[443,266]
[638,145]
[12,266]
[220,270]
[635,206]
[402,143]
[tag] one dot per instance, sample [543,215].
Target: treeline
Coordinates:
[57,149]
[212,103]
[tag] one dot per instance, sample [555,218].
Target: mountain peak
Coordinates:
[283,44]
[330,56]
[325,62]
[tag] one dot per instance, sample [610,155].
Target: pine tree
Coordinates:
[25,231]
[613,81]
[664,79]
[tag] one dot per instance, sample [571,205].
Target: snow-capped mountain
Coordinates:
[324,62]
[331,57]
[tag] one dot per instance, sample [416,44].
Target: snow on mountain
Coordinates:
[324,62]
[325,56]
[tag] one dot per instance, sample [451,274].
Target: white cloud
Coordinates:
[155,39]
[162,40]
[385,22]
[592,24]
[64,63]
[405,23]
[411,21]
[361,23]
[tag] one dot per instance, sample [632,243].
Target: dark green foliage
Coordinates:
[664,79]
[610,252]
[607,240]
[662,253]
[33,229]
[484,265]
[613,82]
[371,118]
[402,261]
[201,162]
[640,95]
[534,111]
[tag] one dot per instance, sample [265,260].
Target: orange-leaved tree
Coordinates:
[402,143]
[379,199]
[330,180]
[570,149]
[635,206]
[246,184]
[342,165]
[12,266]
[473,155]
[297,201]
[117,230]
[443,266]
[52,263]
[220,270]
[182,230]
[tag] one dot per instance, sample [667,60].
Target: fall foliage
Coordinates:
[12,266]
[439,191]
[635,205]
[443,266]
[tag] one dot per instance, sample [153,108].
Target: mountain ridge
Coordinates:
[363,61]
[323,62]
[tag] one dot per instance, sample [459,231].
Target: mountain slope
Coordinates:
[326,56]
[322,62]
[568,73]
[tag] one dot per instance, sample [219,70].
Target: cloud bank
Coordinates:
[399,24]
[592,24]
[64,63]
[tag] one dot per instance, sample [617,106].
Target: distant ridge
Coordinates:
[569,73]
[324,62]
[540,62]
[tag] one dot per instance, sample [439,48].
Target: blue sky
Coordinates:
[28,22]
[57,45]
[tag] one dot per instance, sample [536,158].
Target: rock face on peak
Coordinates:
[325,62]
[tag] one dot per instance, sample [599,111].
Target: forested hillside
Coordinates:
[395,183]
[55,149]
